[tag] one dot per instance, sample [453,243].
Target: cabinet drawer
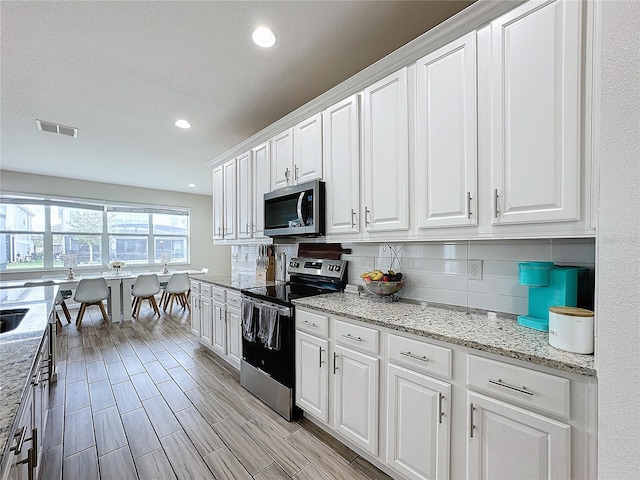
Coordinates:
[357,337]
[420,356]
[205,290]
[195,286]
[539,390]
[219,294]
[312,323]
[233,300]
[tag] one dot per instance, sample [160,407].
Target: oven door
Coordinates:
[296,210]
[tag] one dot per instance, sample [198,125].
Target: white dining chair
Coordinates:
[91,291]
[146,288]
[58,302]
[177,288]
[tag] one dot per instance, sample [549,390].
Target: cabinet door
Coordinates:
[206,316]
[312,375]
[418,420]
[20,471]
[196,316]
[342,166]
[245,195]
[218,203]
[508,442]
[229,228]
[446,163]
[234,336]
[219,340]
[535,113]
[261,185]
[307,150]
[281,160]
[386,154]
[355,403]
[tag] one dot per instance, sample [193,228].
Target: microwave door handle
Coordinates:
[300,217]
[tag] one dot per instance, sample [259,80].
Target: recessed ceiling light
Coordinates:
[192,185]
[264,37]
[182,124]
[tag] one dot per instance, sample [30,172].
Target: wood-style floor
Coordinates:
[142,400]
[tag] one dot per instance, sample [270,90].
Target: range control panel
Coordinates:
[321,267]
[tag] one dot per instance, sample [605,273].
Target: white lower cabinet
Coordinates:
[312,375]
[418,423]
[505,441]
[215,320]
[356,397]
[442,410]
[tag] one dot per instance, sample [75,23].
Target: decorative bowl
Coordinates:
[382,288]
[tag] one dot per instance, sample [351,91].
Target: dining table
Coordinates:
[120,285]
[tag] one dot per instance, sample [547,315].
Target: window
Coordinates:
[35,233]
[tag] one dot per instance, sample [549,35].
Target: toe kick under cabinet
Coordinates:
[419,408]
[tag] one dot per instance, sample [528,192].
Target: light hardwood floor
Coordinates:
[143,400]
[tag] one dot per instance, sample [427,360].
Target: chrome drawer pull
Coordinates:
[413,355]
[500,383]
[351,337]
[309,323]
[471,425]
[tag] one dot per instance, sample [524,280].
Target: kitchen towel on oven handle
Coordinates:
[249,325]
[269,327]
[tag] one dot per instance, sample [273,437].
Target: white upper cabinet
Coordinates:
[307,150]
[218,203]
[446,136]
[342,166]
[535,113]
[229,189]
[282,159]
[386,154]
[261,185]
[245,195]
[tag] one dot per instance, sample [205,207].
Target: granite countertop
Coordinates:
[501,336]
[235,282]
[18,351]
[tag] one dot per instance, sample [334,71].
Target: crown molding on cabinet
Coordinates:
[474,16]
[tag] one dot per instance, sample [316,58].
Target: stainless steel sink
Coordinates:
[11,318]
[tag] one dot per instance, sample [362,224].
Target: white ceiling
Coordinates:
[123,71]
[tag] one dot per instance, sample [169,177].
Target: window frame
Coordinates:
[105,207]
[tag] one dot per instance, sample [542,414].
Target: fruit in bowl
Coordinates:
[382,284]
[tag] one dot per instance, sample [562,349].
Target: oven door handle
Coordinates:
[282,310]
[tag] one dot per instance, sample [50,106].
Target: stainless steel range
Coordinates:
[268,329]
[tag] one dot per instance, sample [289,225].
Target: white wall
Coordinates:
[203,253]
[618,244]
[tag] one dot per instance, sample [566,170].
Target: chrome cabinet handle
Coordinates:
[495,202]
[21,435]
[502,384]
[471,425]
[366,215]
[295,175]
[353,218]
[309,323]
[320,355]
[468,204]
[440,412]
[351,337]
[413,355]
[287,173]
[335,367]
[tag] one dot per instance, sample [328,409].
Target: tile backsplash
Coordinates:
[437,271]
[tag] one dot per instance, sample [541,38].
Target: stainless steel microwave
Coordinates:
[295,210]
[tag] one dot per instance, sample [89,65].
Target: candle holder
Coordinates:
[70,261]
[165,258]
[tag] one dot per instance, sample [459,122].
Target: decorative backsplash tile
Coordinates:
[437,271]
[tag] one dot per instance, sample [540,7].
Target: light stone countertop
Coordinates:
[502,336]
[18,352]
[235,282]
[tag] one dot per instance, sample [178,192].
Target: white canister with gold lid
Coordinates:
[571,329]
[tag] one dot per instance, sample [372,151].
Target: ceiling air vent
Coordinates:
[57,128]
